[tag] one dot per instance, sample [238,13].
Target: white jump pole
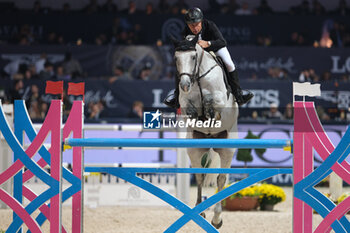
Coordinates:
[182,180]
[335,185]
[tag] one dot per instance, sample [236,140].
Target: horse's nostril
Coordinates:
[185,88]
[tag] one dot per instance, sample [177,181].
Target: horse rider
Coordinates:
[210,39]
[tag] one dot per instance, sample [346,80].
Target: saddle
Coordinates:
[226,75]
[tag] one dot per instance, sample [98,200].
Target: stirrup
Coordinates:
[171,101]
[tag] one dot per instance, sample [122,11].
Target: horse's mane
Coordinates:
[185,45]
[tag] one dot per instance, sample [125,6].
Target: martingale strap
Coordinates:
[203,75]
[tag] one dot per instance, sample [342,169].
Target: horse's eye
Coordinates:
[193,57]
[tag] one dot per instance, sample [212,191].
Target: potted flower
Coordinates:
[245,199]
[270,195]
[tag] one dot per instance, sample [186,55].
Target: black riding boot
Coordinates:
[236,89]
[172,100]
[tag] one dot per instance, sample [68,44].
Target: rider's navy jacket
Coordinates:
[210,32]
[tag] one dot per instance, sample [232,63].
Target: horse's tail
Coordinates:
[210,159]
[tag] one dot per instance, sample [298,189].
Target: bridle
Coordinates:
[195,75]
[192,76]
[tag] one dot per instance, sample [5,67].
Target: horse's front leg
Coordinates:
[226,156]
[217,220]
[191,110]
[213,104]
[195,155]
[199,179]
[208,104]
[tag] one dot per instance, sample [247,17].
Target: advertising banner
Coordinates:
[251,62]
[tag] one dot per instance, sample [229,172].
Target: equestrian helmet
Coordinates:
[193,15]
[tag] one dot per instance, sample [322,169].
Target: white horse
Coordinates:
[203,96]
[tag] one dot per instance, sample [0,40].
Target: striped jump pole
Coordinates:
[179,143]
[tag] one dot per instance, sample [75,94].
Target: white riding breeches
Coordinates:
[226,57]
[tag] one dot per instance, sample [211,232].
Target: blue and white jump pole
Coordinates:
[179,143]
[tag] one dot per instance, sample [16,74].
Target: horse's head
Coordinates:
[186,57]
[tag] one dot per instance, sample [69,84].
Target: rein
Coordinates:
[199,82]
[207,72]
[198,77]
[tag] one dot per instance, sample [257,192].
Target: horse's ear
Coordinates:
[174,40]
[195,40]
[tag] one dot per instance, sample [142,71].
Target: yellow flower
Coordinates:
[268,193]
[271,194]
[251,191]
[343,197]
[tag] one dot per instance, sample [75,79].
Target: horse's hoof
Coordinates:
[217,226]
[203,214]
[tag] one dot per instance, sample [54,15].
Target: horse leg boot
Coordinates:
[208,102]
[172,100]
[199,179]
[236,89]
[217,220]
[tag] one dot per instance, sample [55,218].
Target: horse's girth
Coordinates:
[197,134]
